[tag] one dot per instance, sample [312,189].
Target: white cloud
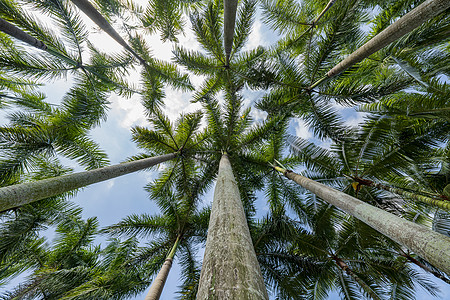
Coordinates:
[110,183]
[356,119]
[129,112]
[302,130]
[258,115]
[254,40]
[177,102]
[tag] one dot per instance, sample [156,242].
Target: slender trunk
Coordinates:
[20,194]
[432,246]
[158,284]
[230,268]
[229,21]
[329,5]
[438,203]
[19,34]
[312,25]
[413,19]
[424,267]
[86,7]
[341,264]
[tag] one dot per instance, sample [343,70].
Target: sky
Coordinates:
[112,200]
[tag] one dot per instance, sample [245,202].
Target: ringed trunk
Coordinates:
[432,246]
[230,269]
[21,194]
[158,284]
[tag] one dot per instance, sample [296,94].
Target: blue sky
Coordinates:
[113,200]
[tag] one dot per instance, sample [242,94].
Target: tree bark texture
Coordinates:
[21,194]
[19,34]
[229,21]
[432,246]
[413,19]
[230,269]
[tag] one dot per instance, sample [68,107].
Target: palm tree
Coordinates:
[422,13]
[229,245]
[94,15]
[228,145]
[65,50]
[12,30]
[162,141]
[73,268]
[20,194]
[309,261]
[174,232]
[419,239]
[64,266]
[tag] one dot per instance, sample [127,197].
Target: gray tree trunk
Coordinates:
[19,34]
[20,194]
[230,269]
[432,246]
[413,19]
[229,21]
[86,7]
[158,284]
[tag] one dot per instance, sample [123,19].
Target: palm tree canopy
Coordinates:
[286,105]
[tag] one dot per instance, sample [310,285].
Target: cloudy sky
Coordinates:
[113,200]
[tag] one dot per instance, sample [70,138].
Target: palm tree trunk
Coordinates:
[438,203]
[329,5]
[86,7]
[341,264]
[19,34]
[230,268]
[158,284]
[432,246]
[229,21]
[422,13]
[21,194]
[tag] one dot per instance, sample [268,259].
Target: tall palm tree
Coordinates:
[73,268]
[94,15]
[310,261]
[422,13]
[230,267]
[173,233]
[419,239]
[20,194]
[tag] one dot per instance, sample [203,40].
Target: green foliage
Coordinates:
[302,244]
